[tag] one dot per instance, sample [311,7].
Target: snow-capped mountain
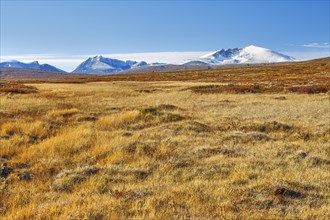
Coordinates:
[103,65]
[33,65]
[249,54]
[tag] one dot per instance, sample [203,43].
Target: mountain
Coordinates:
[103,65]
[34,65]
[249,54]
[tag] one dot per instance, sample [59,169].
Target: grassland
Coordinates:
[169,148]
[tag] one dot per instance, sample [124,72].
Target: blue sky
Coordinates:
[60,29]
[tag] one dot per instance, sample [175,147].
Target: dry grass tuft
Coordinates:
[66,180]
[65,113]
[117,121]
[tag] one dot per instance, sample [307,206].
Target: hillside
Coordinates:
[23,73]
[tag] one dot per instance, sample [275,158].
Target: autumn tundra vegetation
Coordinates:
[247,142]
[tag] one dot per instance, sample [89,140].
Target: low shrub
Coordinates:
[239,89]
[242,89]
[310,89]
[17,88]
[151,111]
[207,89]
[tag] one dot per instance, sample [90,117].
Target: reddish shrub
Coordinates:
[242,89]
[16,88]
[310,89]
[207,89]
[229,88]
[239,89]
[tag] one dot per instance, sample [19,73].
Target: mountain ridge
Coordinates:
[103,65]
[33,65]
[249,54]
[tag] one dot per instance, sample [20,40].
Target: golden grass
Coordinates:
[114,122]
[113,151]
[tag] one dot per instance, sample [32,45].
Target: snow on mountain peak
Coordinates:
[103,65]
[253,54]
[253,46]
[249,54]
[221,55]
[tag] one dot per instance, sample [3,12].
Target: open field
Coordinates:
[168,147]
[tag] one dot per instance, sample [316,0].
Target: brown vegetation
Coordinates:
[238,89]
[10,87]
[310,89]
[109,150]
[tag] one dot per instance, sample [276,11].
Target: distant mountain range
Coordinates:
[102,65]
[34,65]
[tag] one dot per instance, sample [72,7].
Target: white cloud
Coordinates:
[162,57]
[316,45]
[307,55]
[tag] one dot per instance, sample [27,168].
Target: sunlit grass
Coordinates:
[110,151]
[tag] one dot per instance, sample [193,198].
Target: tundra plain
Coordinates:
[183,146]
